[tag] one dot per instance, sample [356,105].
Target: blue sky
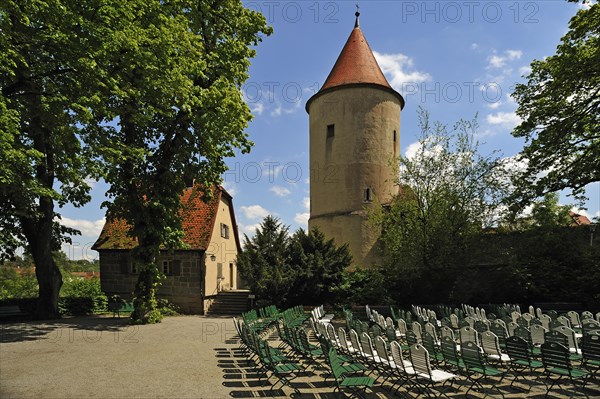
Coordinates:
[456,59]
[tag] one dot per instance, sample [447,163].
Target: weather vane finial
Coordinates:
[357,13]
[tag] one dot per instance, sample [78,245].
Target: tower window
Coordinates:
[368,195]
[394,136]
[330,131]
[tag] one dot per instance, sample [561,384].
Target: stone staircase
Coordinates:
[229,303]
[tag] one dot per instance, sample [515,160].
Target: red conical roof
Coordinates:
[356,64]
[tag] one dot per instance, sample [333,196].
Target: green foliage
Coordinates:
[15,285]
[171,110]
[449,192]
[302,269]
[317,266]
[363,286]
[264,262]
[547,212]
[559,106]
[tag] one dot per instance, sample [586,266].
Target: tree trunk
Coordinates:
[38,232]
[145,303]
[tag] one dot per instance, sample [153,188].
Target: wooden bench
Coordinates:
[117,308]
[10,310]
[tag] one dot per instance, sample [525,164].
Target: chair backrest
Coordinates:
[522,322]
[367,345]
[528,316]
[539,313]
[514,315]
[417,328]
[518,349]
[472,355]
[590,346]
[343,339]
[553,314]
[470,320]
[467,334]
[564,320]
[589,325]
[401,326]
[411,337]
[396,350]
[573,317]
[430,329]
[556,337]
[331,335]
[454,320]
[376,330]
[537,333]
[447,332]
[355,341]
[586,314]
[449,350]
[598,316]
[511,327]
[480,326]
[570,334]
[381,349]
[490,344]
[546,320]
[335,364]
[419,357]
[389,322]
[429,343]
[555,355]
[535,321]
[523,332]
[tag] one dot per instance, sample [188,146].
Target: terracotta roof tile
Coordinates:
[198,219]
[355,64]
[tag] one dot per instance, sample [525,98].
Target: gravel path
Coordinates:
[183,357]
[102,357]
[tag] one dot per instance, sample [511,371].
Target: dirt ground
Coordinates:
[183,357]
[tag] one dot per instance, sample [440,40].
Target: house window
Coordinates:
[330,131]
[368,195]
[394,136]
[224,231]
[167,267]
[219,270]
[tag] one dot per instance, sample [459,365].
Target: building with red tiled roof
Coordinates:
[194,274]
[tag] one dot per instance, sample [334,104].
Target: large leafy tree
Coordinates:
[449,192]
[173,112]
[47,74]
[560,108]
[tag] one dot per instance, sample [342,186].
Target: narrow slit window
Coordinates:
[394,136]
[330,131]
[368,195]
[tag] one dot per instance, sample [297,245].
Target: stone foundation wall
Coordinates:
[184,288]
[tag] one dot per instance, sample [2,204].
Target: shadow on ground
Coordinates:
[90,328]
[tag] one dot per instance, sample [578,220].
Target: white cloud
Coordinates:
[280,191]
[500,60]
[494,105]
[257,108]
[302,219]
[254,212]
[88,228]
[411,150]
[524,70]
[399,70]
[248,229]
[474,46]
[506,119]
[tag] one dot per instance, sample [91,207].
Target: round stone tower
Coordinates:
[354,140]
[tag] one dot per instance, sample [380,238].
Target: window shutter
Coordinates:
[124,262]
[176,267]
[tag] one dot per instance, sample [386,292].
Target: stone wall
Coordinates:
[183,288]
